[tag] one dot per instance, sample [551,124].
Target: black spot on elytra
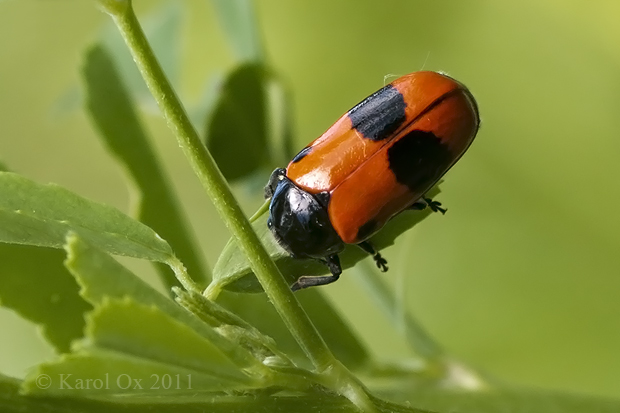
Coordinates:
[380,114]
[419,159]
[302,154]
[367,229]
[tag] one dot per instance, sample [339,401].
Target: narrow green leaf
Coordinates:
[232,271]
[101,277]
[114,115]
[41,215]
[236,131]
[34,283]
[202,110]
[280,122]
[249,127]
[239,22]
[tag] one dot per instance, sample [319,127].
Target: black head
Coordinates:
[300,222]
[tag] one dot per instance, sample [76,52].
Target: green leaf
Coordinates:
[41,215]
[249,127]
[147,332]
[202,110]
[124,337]
[232,270]
[34,283]
[280,121]
[101,277]
[117,374]
[236,131]
[114,115]
[239,23]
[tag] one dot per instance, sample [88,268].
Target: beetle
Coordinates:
[376,161]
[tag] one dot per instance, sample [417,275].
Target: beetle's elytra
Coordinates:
[376,161]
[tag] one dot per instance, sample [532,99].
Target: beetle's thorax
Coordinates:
[299,221]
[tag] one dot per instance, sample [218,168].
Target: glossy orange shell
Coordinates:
[372,178]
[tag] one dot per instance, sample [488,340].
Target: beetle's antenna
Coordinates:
[425,60]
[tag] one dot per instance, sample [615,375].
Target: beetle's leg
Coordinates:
[276,177]
[379,260]
[435,206]
[333,263]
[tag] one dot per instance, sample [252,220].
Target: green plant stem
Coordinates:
[218,190]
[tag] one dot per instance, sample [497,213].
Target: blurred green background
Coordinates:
[520,278]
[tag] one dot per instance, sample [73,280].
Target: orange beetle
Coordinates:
[376,161]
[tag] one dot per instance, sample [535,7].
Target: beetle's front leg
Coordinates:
[333,263]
